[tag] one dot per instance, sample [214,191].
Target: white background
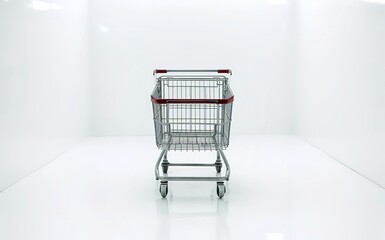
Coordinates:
[341,95]
[312,68]
[43,84]
[131,38]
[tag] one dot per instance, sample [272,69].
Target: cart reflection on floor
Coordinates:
[173,216]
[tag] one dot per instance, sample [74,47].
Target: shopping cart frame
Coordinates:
[218,143]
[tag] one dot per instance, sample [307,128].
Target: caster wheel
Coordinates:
[218,168]
[164,169]
[221,189]
[163,189]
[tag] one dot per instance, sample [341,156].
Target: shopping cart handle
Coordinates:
[192,101]
[157,71]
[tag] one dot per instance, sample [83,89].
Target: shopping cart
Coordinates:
[192,112]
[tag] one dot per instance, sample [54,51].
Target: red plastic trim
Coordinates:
[228,71]
[156,71]
[207,101]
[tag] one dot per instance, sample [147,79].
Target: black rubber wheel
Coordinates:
[164,169]
[218,168]
[221,189]
[163,189]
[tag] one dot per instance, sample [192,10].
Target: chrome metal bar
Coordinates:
[214,179]
[226,164]
[158,163]
[196,78]
[192,164]
[191,71]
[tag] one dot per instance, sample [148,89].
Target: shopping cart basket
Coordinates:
[192,112]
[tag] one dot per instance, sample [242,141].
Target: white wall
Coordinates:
[131,38]
[342,81]
[43,83]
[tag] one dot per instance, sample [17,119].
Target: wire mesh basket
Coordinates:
[192,112]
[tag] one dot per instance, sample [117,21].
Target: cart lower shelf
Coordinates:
[165,164]
[198,141]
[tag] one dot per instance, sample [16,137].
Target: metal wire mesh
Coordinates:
[192,126]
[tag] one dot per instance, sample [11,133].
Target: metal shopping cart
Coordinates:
[192,112]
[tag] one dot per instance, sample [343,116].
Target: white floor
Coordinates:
[280,189]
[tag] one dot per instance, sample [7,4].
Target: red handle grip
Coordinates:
[156,71]
[228,71]
[193,101]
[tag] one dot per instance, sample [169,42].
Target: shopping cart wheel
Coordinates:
[164,169]
[163,189]
[221,189]
[218,168]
